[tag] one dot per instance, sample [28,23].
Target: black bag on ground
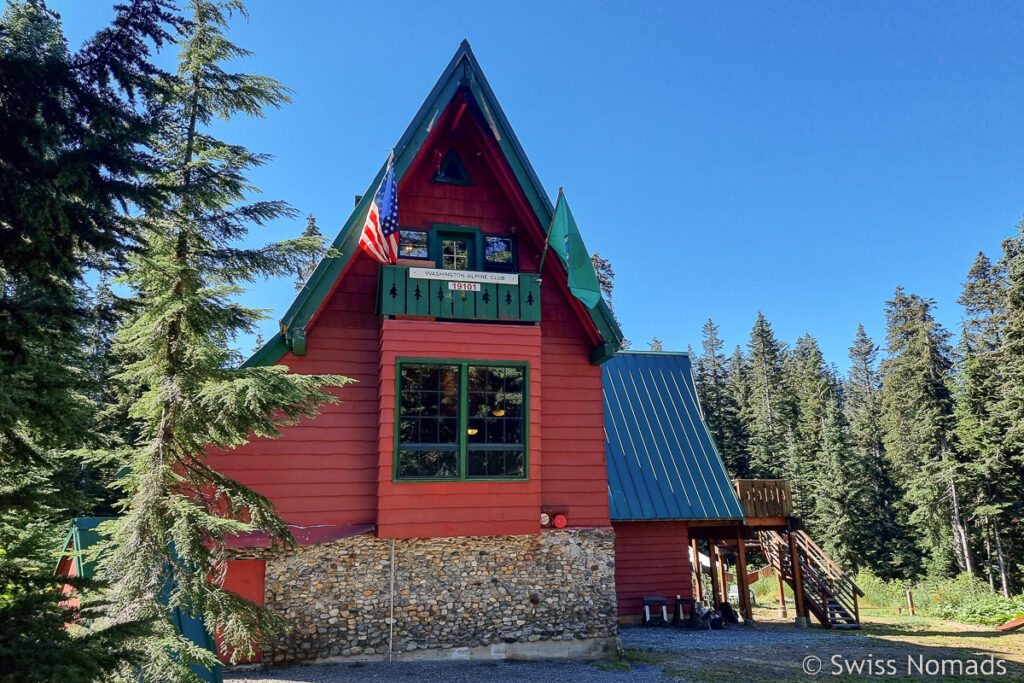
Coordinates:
[728,613]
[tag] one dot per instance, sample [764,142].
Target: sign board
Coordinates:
[464,276]
[464,286]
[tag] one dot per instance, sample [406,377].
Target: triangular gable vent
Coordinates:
[452,170]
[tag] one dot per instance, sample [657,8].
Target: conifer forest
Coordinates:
[911,463]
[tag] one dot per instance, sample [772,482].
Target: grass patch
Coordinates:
[620,664]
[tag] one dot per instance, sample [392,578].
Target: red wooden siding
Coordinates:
[336,468]
[324,470]
[415,509]
[245,577]
[651,558]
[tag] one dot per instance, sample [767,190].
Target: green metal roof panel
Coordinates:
[662,460]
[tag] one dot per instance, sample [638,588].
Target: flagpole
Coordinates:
[547,239]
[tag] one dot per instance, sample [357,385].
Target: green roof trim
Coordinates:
[462,72]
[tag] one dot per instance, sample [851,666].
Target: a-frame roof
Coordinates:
[663,463]
[463,74]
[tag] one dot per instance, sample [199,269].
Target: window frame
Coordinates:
[429,244]
[495,267]
[444,231]
[463,417]
[438,178]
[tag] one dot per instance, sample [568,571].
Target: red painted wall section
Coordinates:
[245,577]
[484,204]
[651,558]
[573,472]
[417,509]
[324,470]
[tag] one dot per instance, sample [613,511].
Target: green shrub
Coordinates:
[964,598]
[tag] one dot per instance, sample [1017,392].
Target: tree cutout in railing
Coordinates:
[393,291]
[508,298]
[529,299]
[487,297]
[418,294]
[440,295]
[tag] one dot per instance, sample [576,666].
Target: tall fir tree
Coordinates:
[770,412]
[882,543]
[308,265]
[76,133]
[186,389]
[1008,410]
[917,415]
[739,389]
[992,479]
[719,407]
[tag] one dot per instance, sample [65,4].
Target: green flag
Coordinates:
[565,238]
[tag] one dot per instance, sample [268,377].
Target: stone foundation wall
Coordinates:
[463,592]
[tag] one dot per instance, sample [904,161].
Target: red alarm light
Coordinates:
[559,521]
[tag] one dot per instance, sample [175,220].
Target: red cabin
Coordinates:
[425,502]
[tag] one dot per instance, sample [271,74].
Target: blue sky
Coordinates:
[802,159]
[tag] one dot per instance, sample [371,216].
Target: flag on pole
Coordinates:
[564,236]
[380,231]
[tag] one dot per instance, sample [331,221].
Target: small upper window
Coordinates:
[498,253]
[413,243]
[455,254]
[452,170]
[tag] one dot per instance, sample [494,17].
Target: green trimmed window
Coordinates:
[461,420]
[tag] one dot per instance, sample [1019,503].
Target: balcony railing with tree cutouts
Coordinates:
[400,293]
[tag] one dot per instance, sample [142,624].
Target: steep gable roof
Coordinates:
[662,461]
[462,75]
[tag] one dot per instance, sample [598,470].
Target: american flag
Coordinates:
[380,232]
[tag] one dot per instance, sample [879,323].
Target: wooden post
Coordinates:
[782,594]
[696,568]
[713,557]
[798,580]
[724,583]
[910,602]
[741,580]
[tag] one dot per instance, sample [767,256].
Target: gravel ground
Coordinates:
[734,637]
[668,641]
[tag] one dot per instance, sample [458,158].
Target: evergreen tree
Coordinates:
[606,281]
[76,130]
[769,408]
[988,472]
[309,264]
[188,393]
[881,543]
[813,391]
[835,514]
[656,344]
[718,405]
[739,389]
[1008,411]
[917,416]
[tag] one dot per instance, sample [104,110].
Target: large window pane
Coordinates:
[461,420]
[433,464]
[495,464]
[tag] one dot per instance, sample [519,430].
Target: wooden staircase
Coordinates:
[821,587]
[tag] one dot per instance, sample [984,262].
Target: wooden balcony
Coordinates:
[764,499]
[405,291]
